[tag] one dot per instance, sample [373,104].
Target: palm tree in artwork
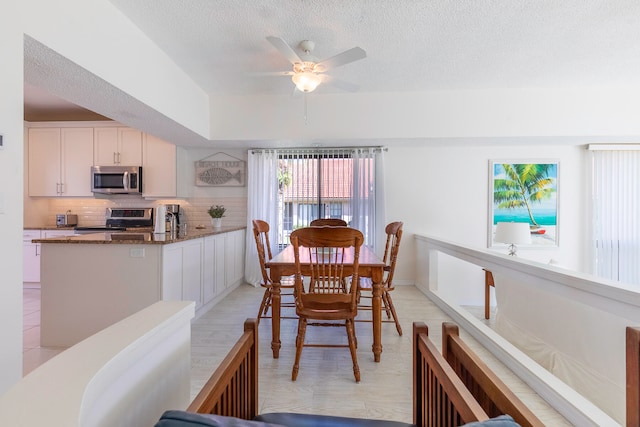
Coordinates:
[523,185]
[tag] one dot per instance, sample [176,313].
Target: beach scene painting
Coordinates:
[525,192]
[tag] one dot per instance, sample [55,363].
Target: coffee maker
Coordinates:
[172,218]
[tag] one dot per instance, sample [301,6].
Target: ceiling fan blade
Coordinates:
[271,73]
[340,84]
[284,49]
[351,55]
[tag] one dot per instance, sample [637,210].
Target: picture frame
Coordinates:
[525,191]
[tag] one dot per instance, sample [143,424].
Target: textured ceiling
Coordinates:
[411,45]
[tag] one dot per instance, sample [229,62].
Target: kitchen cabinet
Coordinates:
[60,162]
[181,272]
[203,270]
[77,302]
[158,168]
[119,146]
[177,283]
[234,263]
[30,256]
[213,267]
[76,149]
[31,252]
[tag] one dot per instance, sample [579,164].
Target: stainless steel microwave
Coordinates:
[116,179]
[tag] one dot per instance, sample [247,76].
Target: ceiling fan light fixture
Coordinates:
[306,81]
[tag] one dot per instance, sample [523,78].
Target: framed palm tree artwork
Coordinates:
[525,192]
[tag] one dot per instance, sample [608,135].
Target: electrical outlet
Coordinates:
[136,252]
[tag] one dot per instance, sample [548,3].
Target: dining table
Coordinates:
[370,265]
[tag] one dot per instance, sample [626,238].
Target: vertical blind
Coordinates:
[327,183]
[616,211]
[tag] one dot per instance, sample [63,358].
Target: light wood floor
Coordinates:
[325,383]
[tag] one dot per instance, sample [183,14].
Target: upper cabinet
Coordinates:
[60,161]
[117,146]
[158,168]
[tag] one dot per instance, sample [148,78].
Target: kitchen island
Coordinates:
[91,281]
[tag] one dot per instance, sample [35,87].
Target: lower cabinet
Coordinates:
[204,269]
[213,267]
[182,271]
[31,252]
[30,256]
[234,265]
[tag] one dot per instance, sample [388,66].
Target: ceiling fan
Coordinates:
[308,72]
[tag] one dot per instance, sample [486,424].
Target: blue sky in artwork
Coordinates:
[545,212]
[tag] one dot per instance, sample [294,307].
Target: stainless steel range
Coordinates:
[122,219]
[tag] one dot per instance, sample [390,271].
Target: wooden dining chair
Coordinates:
[330,222]
[394,235]
[327,251]
[261,234]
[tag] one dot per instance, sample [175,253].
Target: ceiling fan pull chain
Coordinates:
[305,108]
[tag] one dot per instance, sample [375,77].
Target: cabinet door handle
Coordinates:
[61,187]
[119,159]
[115,158]
[37,251]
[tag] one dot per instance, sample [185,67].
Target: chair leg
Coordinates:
[267,303]
[264,305]
[393,312]
[302,328]
[351,334]
[385,301]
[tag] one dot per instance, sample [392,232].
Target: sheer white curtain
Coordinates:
[367,197]
[306,187]
[616,211]
[262,203]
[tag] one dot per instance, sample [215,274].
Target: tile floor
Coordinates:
[32,354]
[325,382]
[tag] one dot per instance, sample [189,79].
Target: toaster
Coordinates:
[65,220]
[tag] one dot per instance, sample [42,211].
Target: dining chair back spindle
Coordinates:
[333,257]
[392,246]
[263,246]
[330,222]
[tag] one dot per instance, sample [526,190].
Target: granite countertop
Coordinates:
[50,227]
[143,238]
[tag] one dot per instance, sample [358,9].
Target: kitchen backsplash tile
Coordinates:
[91,212]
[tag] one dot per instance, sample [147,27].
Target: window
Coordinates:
[287,216]
[335,210]
[616,212]
[318,184]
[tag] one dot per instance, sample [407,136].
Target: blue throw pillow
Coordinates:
[501,421]
[191,419]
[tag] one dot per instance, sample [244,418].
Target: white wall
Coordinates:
[96,36]
[443,191]
[489,114]
[434,189]
[11,171]
[186,167]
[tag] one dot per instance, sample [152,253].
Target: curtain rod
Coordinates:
[613,147]
[377,149]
